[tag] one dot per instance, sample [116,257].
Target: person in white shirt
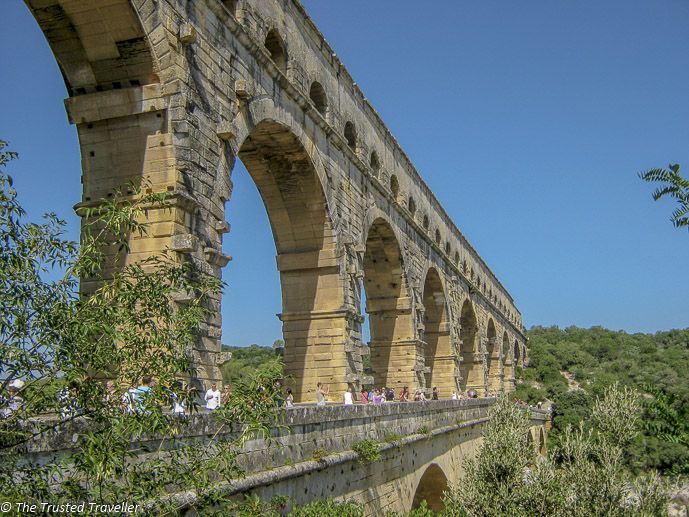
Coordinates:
[348,398]
[213,398]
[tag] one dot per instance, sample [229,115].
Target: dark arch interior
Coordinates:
[375,162]
[350,135]
[431,487]
[317,95]
[394,186]
[278,52]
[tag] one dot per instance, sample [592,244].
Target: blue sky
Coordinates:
[529,121]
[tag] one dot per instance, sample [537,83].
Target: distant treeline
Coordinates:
[595,358]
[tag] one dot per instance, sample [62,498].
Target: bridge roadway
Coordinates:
[414,467]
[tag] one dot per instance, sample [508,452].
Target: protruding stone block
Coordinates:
[187,34]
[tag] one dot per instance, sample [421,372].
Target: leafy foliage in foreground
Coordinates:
[507,478]
[125,326]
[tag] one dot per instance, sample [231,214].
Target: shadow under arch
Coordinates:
[542,450]
[492,358]
[438,358]
[471,367]
[432,485]
[292,194]
[506,364]
[388,304]
[517,356]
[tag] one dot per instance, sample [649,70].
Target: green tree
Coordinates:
[127,327]
[674,186]
[508,478]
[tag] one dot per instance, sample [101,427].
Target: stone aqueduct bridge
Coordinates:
[413,467]
[176,90]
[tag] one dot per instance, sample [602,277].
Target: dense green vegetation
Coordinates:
[247,362]
[596,358]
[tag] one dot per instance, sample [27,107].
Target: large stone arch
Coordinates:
[431,487]
[492,357]
[100,45]
[439,357]
[394,351]
[293,196]
[471,366]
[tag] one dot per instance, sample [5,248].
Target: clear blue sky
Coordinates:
[529,120]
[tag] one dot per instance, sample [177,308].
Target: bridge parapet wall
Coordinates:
[333,428]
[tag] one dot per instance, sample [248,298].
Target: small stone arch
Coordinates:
[350,135]
[319,98]
[277,49]
[411,206]
[437,236]
[541,442]
[426,223]
[432,485]
[375,163]
[394,187]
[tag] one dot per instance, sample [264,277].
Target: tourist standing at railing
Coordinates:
[435,393]
[389,395]
[364,396]
[348,397]
[289,400]
[404,394]
[225,396]
[212,397]
[321,394]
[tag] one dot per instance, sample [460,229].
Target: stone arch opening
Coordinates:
[437,236]
[375,163]
[277,49]
[517,354]
[119,57]
[318,97]
[394,187]
[438,350]
[388,305]
[471,367]
[411,205]
[426,222]
[350,135]
[432,485]
[492,357]
[294,200]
